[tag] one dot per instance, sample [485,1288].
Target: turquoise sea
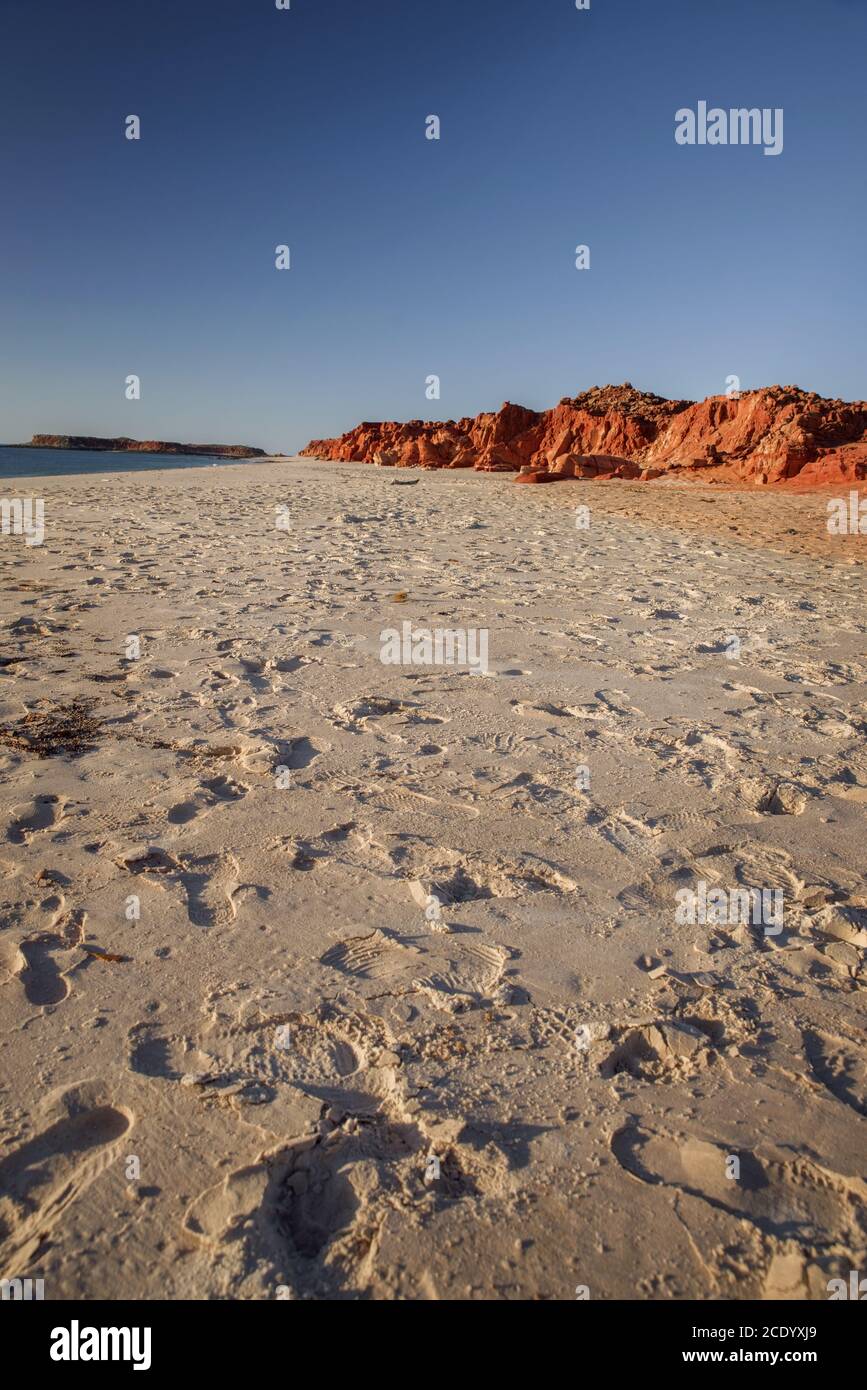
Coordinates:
[16,462]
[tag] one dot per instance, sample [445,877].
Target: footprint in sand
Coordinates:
[43,980]
[840,1066]
[45,812]
[12,962]
[212,792]
[209,881]
[32,961]
[326,1055]
[288,664]
[318,1196]
[276,1071]
[781,1193]
[356,716]
[45,1176]
[454,973]
[184,811]
[225,788]
[464,877]
[299,753]
[164,1056]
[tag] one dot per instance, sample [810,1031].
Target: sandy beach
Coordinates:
[329,978]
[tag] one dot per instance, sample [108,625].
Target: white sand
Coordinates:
[290,1040]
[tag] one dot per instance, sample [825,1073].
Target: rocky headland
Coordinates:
[779,434]
[139,446]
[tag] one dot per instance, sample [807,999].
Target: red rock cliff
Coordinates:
[774,435]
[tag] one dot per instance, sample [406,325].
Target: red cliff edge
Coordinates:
[779,434]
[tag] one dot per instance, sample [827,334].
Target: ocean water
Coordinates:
[46,463]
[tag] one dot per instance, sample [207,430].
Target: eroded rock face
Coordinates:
[778,434]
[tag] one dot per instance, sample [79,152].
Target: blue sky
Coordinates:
[413,257]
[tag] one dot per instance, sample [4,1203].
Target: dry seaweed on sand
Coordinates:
[69,729]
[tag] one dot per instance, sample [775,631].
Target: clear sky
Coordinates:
[413,257]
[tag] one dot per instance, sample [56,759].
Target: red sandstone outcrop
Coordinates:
[140,446]
[775,435]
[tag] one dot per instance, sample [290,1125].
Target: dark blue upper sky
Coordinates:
[412,257]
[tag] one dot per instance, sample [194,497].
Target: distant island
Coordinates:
[123,445]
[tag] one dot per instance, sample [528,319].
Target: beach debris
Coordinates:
[69,729]
[99,954]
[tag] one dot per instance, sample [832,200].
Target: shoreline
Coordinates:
[784,519]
